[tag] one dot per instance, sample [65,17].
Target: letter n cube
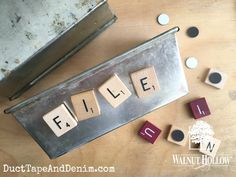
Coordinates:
[149,132]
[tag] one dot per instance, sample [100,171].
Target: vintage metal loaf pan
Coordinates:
[160,52]
[37,36]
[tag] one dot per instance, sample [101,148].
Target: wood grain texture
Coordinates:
[172,140]
[215,47]
[219,85]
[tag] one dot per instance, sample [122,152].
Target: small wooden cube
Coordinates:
[199,108]
[149,132]
[60,120]
[178,135]
[85,105]
[145,82]
[210,147]
[114,91]
[216,78]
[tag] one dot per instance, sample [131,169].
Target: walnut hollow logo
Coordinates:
[200,133]
[201,138]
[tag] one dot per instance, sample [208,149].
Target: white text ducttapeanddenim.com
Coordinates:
[64,168]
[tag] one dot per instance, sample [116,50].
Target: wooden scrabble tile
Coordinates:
[216,78]
[115,91]
[210,147]
[199,108]
[60,119]
[85,105]
[178,135]
[149,132]
[145,81]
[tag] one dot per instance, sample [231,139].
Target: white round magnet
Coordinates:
[163,19]
[191,62]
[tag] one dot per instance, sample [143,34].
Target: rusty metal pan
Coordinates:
[162,52]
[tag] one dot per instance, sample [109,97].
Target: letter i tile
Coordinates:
[85,105]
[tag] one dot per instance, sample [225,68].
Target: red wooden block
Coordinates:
[199,108]
[149,132]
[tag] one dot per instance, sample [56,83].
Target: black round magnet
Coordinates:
[192,31]
[177,135]
[215,78]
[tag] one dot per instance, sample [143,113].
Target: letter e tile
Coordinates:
[145,81]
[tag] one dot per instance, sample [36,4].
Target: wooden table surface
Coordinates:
[215,47]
